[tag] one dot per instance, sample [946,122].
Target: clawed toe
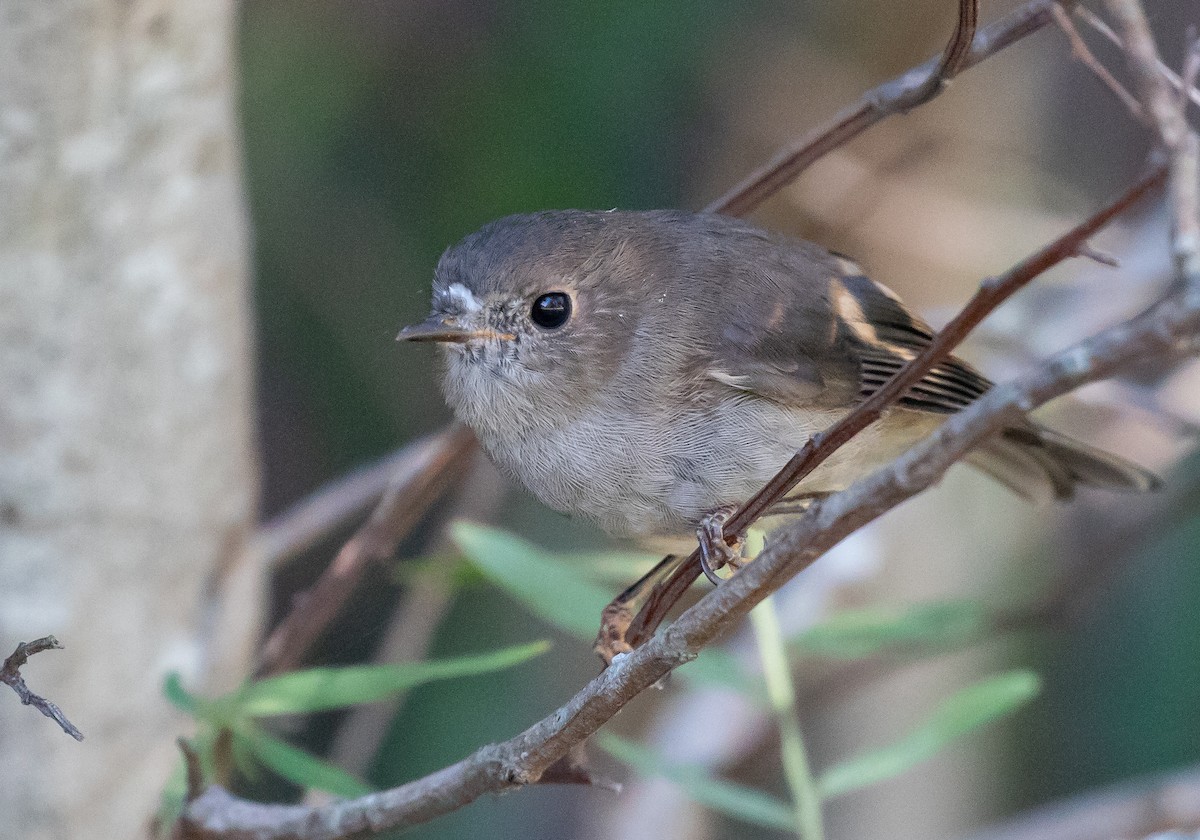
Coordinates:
[715,552]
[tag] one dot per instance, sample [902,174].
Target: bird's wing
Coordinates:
[834,343]
[886,335]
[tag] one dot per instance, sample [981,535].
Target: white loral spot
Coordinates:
[463,296]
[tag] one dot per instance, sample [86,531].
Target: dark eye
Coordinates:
[551,310]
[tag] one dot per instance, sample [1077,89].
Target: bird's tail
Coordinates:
[1038,463]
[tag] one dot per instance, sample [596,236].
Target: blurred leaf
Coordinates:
[318,689]
[178,696]
[970,708]
[738,801]
[547,586]
[612,567]
[719,668]
[857,633]
[296,765]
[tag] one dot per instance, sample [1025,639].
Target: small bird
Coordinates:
[649,370]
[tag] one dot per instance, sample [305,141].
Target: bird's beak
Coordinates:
[446,329]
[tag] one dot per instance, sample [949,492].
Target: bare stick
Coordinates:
[1093,20]
[412,492]
[991,294]
[1166,330]
[1084,55]
[1180,142]
[310,520]
[10,675]
[896,96]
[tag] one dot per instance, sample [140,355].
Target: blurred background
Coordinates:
[376,133]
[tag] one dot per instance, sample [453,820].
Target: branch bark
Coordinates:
[1167,110]
[1168,329]
[10,675]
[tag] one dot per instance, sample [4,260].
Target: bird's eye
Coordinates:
[551,310]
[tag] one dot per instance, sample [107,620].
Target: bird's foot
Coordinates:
[715,550]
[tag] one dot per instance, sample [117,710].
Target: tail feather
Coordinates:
[1038,463]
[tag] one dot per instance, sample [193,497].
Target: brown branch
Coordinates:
[10,675]
[1141,808]
[896,96]
[1093,20]
[1081,51]
[423,478]
[332,505]
[1166,111]
[991,294]
[1166,330]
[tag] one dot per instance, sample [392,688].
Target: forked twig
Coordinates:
[1084,54]
[1097,23]
[1180,143]
[10,675]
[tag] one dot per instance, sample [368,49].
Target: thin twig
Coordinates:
[330,506]
[1191,68]
[1141,808]
[991,294]
[10,675]
[896,96]
[1165,330]
[1097,23]
[1081,51]
[412,492]
[1180,142]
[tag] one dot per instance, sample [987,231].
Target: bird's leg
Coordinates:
[715,551]
[617,617]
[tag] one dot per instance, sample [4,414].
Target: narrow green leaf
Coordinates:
[548,587]
[177,695]
[297,765]
[318,689]
[781,693]
[857,633]
[737,801]
[970,708]
[618,568]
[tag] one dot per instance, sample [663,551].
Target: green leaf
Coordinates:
[319,689]
[619,568]
[857,633]
[547,587]
[178,696]
[297,765]
[737,801]
[970,708]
